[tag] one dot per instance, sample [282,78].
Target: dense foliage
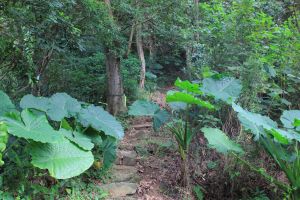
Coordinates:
[229,72]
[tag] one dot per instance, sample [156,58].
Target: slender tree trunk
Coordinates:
[151,48]
[189,64]
[42,66]
[115,97]
[140,50]
[196,18]
[116,102]
[130,40]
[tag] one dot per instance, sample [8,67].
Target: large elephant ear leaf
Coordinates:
[38,103]
[5,104]
[160,118]
[143,108]
[188,86]
[34,127]
[254,122]
[101,120]
[57,107]
[288,118]
[62,105]
[187,98]
[218,140]
[82,140]
[227,89]
[63,160]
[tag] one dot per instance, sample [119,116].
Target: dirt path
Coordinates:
[146,166]
[142,169]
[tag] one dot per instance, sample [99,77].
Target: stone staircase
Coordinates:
[125,178]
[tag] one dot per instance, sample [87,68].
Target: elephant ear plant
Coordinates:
[281,143]
[181,100]
[59,132]
[182,103]
[180,126]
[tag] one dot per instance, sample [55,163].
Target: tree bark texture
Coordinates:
[115,97]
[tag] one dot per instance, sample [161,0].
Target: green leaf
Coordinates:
[288,118]
[188,86]
[187,98]
[5,104]
[297,123]
[198,192]
[62,105]
[38,103]
[226,89]
[160,118]
[34,127]
[57,107]
[3,140]
[65,125]
[78,138]
[3,136]
[253,121]
[289,134]
[101,120]
[94,135]
[143,108]
[278,136]
[63,160]
[109,148]
[218,140]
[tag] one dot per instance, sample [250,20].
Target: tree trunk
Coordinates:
[189,64]
[116,100]
[140,50]
[115,97]
[42,66]
[151,49]
[196,19]
[130,41]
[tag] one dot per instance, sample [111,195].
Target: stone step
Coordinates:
[123,198]
[121,173]
[121,189]
[125,157]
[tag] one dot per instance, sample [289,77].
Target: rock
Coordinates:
[121,173]
[142,134]
[125,157]
[122,189]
